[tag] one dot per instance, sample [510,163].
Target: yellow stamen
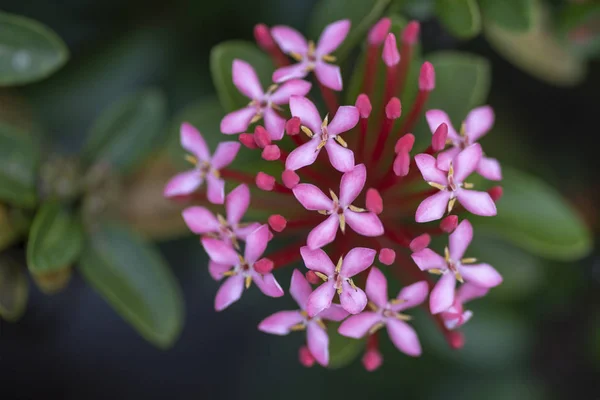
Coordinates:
[435,271]
[191,159]
[342,222]
[463,129]
[323,212]
[339,291]
[235,243]
[242,261]
[304,314]
[325,122]
[451,204]
[351,282]
[321,324]
[296,56]
[376,327]
[372,306]
[437,185]
[229,273]
[338,266]
[256,118]
[403,317]
[356,209]
[320,146]
[311,47]
[469,260]
[297,327]
[396,301]
[451,169]
[329,58]
[306,131]
[248,281]
[341,141]
[272,88]
[446,254]
[467,185]
[222,220]
[216,173]
[276,107]
[459,277]
[321,275]
[333,195]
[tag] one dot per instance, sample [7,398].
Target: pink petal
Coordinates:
[281,322]
[377,288]
[324,233]
[428,167]
[237,121]
[333,35]
[433,207]
[357,326]
[490,169]
[192,141]
[229,292]
[404,337]
[445,157]
[411,296]
[200,220]
[217,270]
[274,123]
[352,184]
[306,110]
[340,157]
[346,118]
[437,117]
[317,260]
[478,122]
[237,203]
[364,223]
[469,291]
[478,203]
[303,155]
[335,312]
[311,197]
[428,259]
[329,75]
[294,71]
[225,154]
[220,251]
[243,232]
[321,298]
[256,244]
[246,80]
[442,295]
[267,284]
[215,189]
[300,289]
[183,183]
[460,239]
[466,162]
[318,343]
[289,40]
[483,275]
[356,261]
[353,299]
[295,87]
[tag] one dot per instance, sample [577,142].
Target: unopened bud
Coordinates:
[379,31]
[390,54]
[271,152]
[372,360]
[292,126]
[449,223]
[277,222]
[438,141]
[247,139]
[420,242]
[410,34]
[427,77]
[263,266]
[387,256]
[393,109]
[261,137]
[405,143]
[263,37]
[496,193]
[374,201]
[312,278]
[305,357]
[364,105]
[402,164]
[265,181]
[290,178]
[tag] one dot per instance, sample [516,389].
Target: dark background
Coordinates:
[536,338]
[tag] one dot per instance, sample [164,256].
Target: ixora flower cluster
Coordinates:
[336,239]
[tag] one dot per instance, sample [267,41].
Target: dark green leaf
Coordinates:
[342,350]
[29,51]
[221,60]
[14,288]
[577,23]
[515,15]
[461,17]
[362,14]
[14,224]
[134,279]
[55,239]
[125,133]
[534,216]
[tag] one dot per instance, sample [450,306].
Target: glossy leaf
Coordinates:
[461,17]
[135,280]
[515,15]
[342,350]
[29,51]
[14,288]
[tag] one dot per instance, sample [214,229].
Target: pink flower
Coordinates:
[452,186]
[456,316]
[203,222]
[225,261]
[454,267]
[340,210]
[284,322]
[478,122]
[263,104]
[322,134]
[310,57]
[207,167]
[388,313]
[337,278]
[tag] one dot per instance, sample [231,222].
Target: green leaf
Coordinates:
[221,61]
[342,350]
[55,239]
[534,216]
[19,160]
[135,280]
[14,225]
[29,51]
[14,288]
[461,17]
[515,15]
[361,13]
[125,133]
[576,25]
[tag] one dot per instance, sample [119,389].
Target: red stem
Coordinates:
[415,112]
[406,53]
[370,69]
[287,255]
[399,237]
[330,99]
[386,128]
[362,138]
[237,176]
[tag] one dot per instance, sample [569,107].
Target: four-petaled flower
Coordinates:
[452,186]
[340,210]
[388,313]
[477,123]
[456,315]
[263,105]
[207,167]
[337,278]
[240,270]
[284,322]
[309,56]
[453,267]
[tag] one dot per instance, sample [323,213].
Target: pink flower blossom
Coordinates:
[337,278]
[456,315]
[478,122]
[309,56]
[284,322]
[340,210]
[207,167]
[387,313]
[452,186]
[240,270]
[322,134]
[453,267]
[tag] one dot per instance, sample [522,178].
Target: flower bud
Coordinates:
[449,223]
[372,360]
[393,109]
[305,357]
[420,242]
[292,126]
[387,256]
[390,54]
[438,140]
[264,266]
[277,222]
[290,178]
[247,139]
[379,31]
[364,105]
[374,201]
[271,152]
[265,181]
[410,34]
[427,77]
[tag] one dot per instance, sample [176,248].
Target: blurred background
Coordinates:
[535,337]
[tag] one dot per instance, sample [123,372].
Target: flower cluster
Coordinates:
[338,234]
